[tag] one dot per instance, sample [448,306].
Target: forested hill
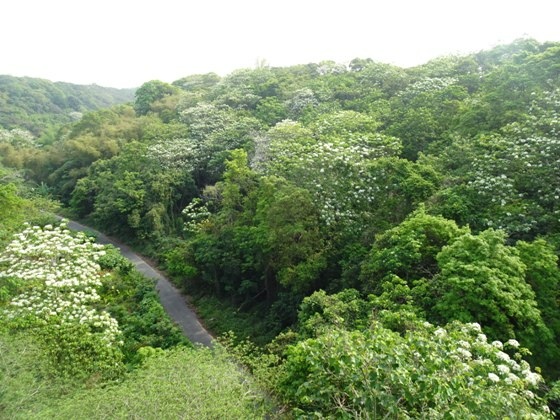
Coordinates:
[389,236]
[34,104]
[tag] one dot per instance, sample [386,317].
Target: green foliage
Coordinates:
[543,275]
[72,351]
[132,194]
[408,250]
[243,88]
[553,397]
[427,372]
[293,243]
[271,111]
[429,264]
[483,280]
[508,179]
[150,92]
[25,380]
[10,203]
[320,312]
[424,111]
[197,82]
[264,238]
[36,104]
[132,299]
[20,204]
[222,317]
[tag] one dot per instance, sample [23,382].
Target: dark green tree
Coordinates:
[149,93]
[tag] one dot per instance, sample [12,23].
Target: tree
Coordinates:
[508,180]
[149,93]
[265,235]
[428,371]
[244,88]
[333,161]
[57,300]
[543,275]
[138,193]
[320,312]
[424,112]
[294,248]
[408,250]
[483,280]
[216,130]
[197,82]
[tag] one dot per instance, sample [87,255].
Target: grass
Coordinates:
[181,383]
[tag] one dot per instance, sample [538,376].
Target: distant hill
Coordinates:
[35,104]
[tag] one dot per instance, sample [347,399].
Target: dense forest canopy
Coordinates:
[388,237]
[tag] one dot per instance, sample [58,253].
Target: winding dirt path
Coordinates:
[173,302]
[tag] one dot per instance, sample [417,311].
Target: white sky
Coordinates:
[124,43]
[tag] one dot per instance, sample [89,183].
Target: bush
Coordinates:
[428,372]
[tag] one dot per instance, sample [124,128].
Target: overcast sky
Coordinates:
[124,43]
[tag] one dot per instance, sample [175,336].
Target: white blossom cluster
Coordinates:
[303,98]
[17,137]
[196,214]
[62,276]
[336,171]
[544,113]
[175,154]
[237,89]
[519,168]
[487,361]
[205,120]
[428,84]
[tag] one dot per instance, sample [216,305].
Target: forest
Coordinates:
[40,106]
[367,241]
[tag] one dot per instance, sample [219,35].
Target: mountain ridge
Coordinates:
[35,104]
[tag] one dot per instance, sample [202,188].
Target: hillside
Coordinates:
[35,104]
[386,238]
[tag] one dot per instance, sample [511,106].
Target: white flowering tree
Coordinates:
[351,170]
[16,146]
[425,372]
[333,168]
[55,279]
[17,137]
[509,180]
[215,130]
[174,154]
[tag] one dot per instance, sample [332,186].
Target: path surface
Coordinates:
[171,299]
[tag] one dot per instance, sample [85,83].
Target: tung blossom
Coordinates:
[63,276]
[493,377]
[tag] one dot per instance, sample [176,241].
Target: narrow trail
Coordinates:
[171,299]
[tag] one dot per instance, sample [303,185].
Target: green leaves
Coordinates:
[427,371]
[431,266]
[480,276]
[149,93]
[408,250]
